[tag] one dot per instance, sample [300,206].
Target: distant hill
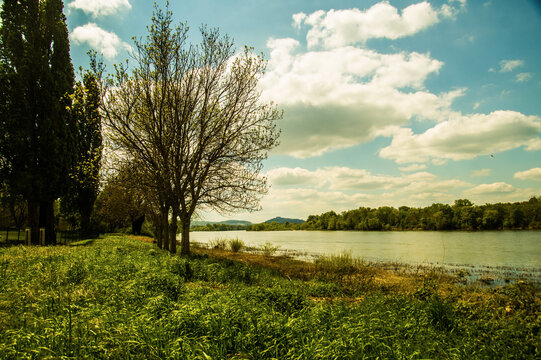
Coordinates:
[282,220]
[226,222]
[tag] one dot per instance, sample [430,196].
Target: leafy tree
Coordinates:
[38,135]
[12,209]
[192,118]
[463,215]
[117,206]
[84,178]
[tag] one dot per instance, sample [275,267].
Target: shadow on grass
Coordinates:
[10,243]
[86,242]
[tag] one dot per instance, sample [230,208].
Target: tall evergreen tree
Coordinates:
[84,179]
[39,135]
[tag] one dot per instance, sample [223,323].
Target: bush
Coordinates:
[218,243]
[269,249]
[236,244]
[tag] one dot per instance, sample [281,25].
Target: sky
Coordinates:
[386,103]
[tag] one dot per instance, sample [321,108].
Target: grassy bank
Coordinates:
[120,298]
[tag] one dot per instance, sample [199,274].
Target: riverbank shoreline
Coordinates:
[121,297]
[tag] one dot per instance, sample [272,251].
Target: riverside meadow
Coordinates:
[119,297]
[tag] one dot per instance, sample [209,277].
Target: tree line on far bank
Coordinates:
[462,215]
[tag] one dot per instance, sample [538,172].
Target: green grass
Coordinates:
[236,244]
[119,298]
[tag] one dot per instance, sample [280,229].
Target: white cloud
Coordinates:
[523,77]
[413,167]
[107,43]
[100,7]
[532,174]
[301,202]
[287,176]
[533,145]
[450,10]
[510,65]
[343,188]
[464,137]
[348,179]
[337,28]
[481,172]
[342,97]
[490,189]
[298,19]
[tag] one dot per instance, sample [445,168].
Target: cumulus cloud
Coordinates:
[464,137]
[342,97]
[532,174]
[345,179]
[481,172]
[100,7]
[510,65]
[287,176]
[523,77]
[490,189]
[303,191]
[337,28]
[299,203]
[107,43]
[533,145]
[413,167]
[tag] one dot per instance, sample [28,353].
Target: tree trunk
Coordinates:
[137,225]
[173,233]
[85,221]
[165,230]
[185,242]
[159,229]
[46,220]
[33,221]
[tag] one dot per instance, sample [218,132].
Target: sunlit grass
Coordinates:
[121,298]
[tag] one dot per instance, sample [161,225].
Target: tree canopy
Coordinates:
[38,135]
[190,119]
[462,215]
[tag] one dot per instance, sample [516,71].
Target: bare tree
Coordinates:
[192,116]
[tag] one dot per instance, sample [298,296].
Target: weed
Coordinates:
[121,298]
[218,243]
[440,313]
[236,244]
[269,249]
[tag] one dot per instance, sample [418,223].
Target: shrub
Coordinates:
[218,243]
[441,314]
[269,249]
[236,244]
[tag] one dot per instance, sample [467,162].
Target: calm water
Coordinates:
[493,249]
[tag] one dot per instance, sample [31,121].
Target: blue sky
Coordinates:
[385,102]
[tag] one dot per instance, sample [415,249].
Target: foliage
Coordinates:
[269,249]
[218,243]
[12,209]
[121,298]
[190,119]
[236,244]
[117,207]
[84,177]
[463,215]
[38,144]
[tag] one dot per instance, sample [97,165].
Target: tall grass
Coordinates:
[118,298]
[236,244]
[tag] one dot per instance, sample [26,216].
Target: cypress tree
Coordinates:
[40,136]
[84,178]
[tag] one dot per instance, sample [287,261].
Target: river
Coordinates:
[509,249]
